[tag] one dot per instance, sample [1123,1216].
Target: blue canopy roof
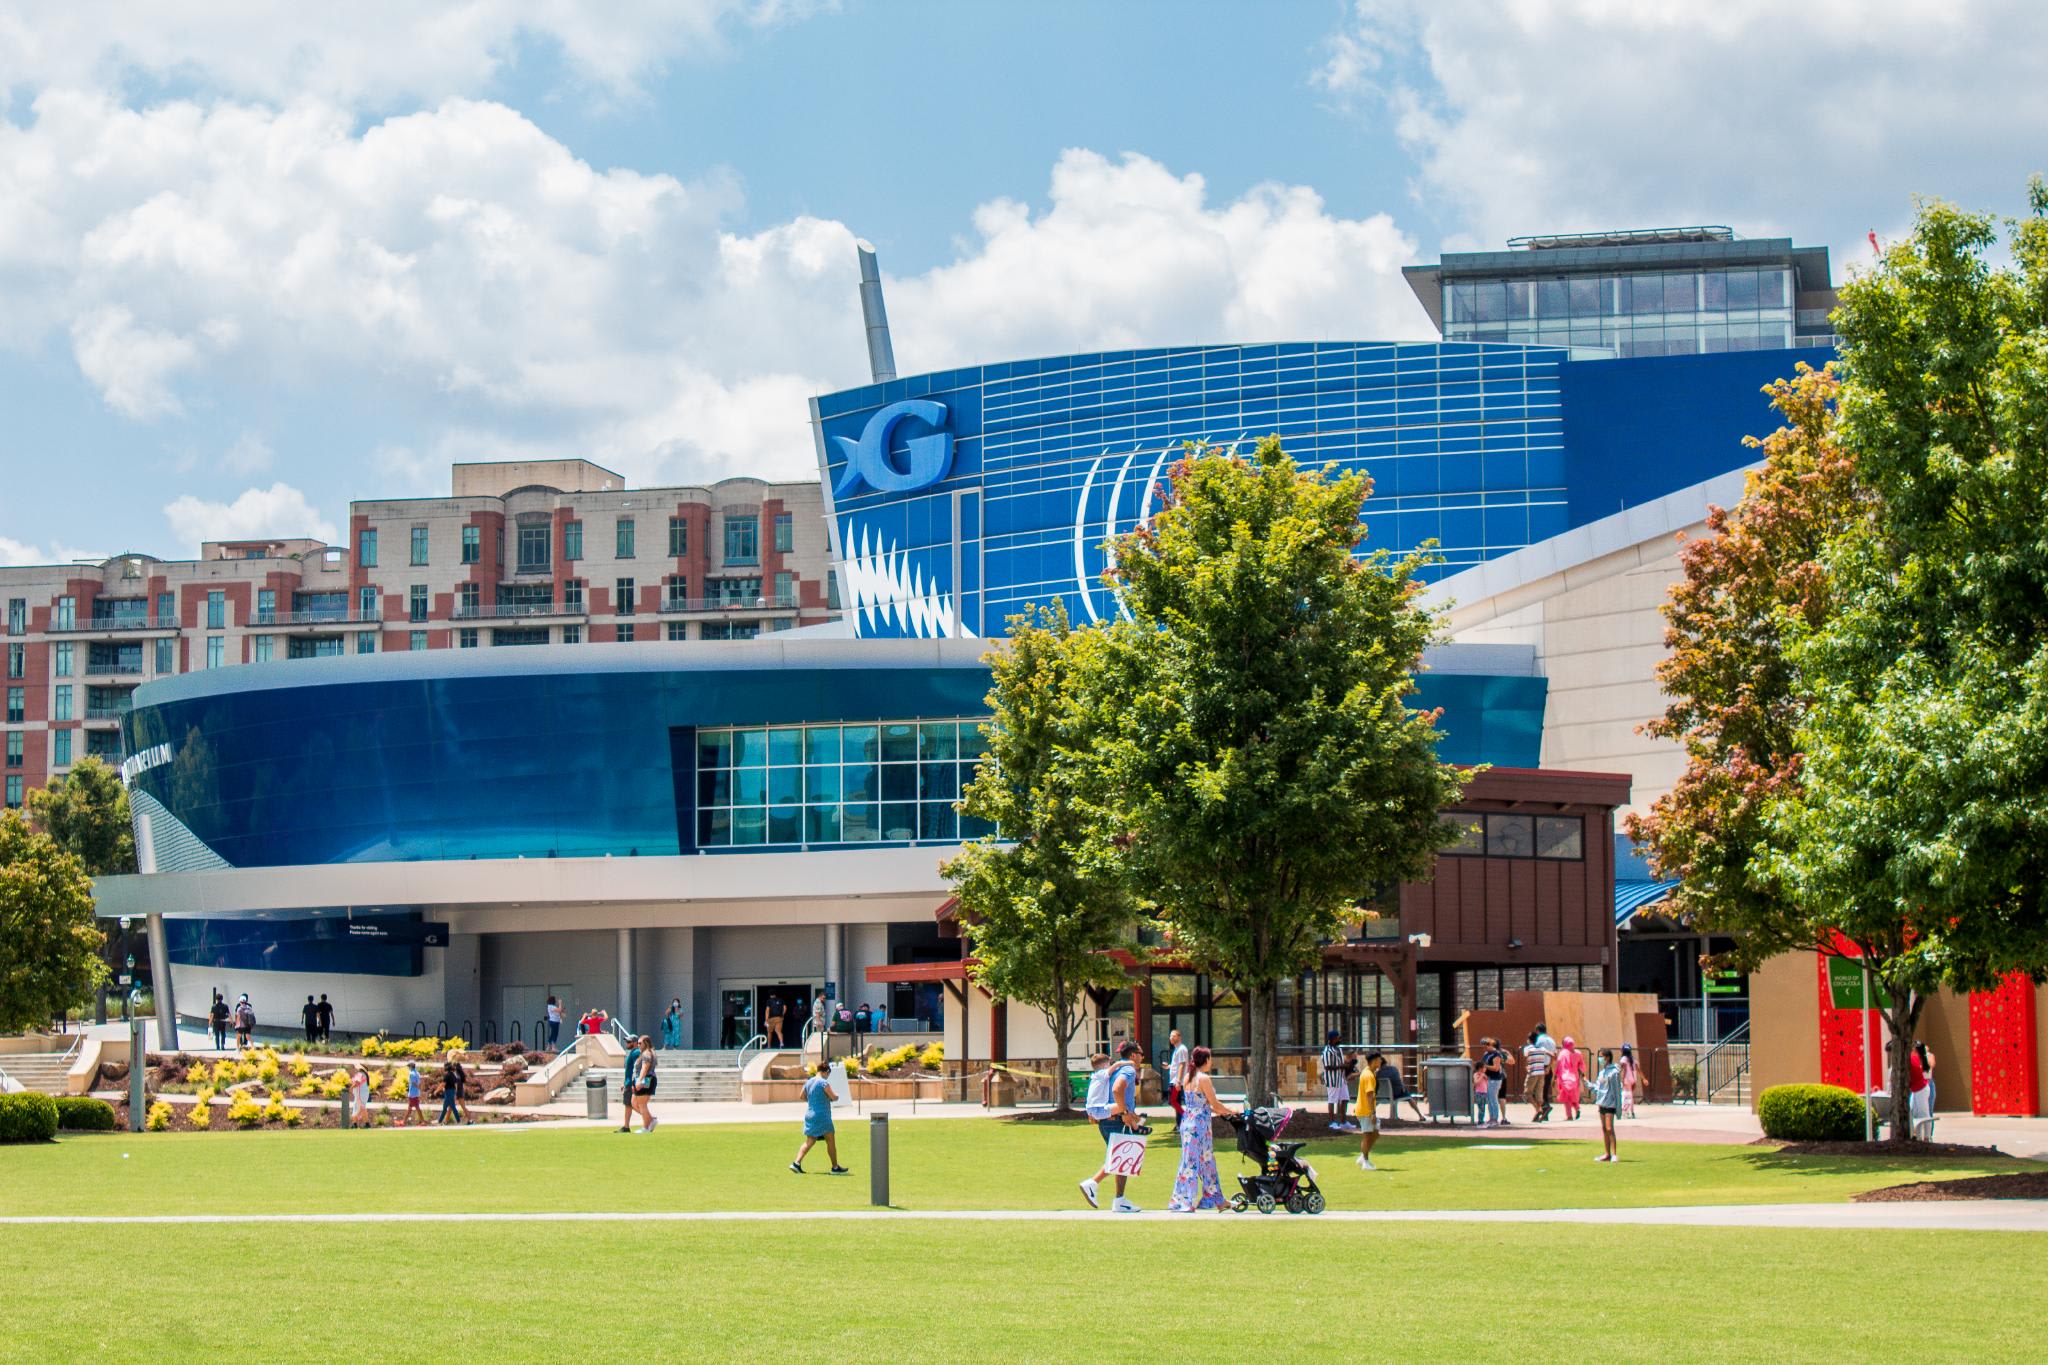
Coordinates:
[1632,894]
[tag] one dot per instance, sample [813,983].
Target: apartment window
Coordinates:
[366,642]
[419,545]
[572,594]
[17,661]
[15,750]
[167,609]
[736,592]
[216,651]
[266,606]
[216,610]
[622,597]
[466,639]
[731,630]
[366,549]
[742,539]
[785,532]
[14,792]
[416,602]
[678,537]
[166,657]
[626,634]
[572,540]
[17,615]
[67,614]
[572,635]
[623,538]
[468,600]
[832,589]
[60,748]
[472,544]
[261,648]
[60,702]
[419,640]
[675,593]
[533,548]
[785,589]
[17,705]
[63,660]
[679,630]
[366,604]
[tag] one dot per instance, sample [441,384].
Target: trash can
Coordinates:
[593,1097]
[1447,1082]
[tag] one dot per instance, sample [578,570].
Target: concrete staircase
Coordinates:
[683,1075]
[47,1071]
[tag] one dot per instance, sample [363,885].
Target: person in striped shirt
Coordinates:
[1336,1084]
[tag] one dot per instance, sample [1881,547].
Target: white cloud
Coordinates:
[250,454]
[1820,118]
[16,553]
[461,268]
[277,511]
[370,52]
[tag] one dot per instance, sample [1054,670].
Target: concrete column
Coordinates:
[462,987]
[160,982]
[835,961]
[624,1011]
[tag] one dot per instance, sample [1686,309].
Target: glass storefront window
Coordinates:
[821,784]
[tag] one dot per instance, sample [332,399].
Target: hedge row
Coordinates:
[28,1117]
[1810,1113]
[83,1114]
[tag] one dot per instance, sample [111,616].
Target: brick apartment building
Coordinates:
[524,552]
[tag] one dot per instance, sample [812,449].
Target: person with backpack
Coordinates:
[245,1021]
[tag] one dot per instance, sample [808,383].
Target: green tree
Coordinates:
[49,946]
[86,814]
[1925,776]
[1265,765]
[1041,903]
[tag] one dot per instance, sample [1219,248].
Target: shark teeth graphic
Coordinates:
[888,592]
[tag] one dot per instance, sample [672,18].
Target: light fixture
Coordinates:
[1513,944]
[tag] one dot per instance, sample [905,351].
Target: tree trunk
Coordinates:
[1063,1030]
[1902,1020]
[1262,1066]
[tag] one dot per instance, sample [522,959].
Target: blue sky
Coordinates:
[252,267]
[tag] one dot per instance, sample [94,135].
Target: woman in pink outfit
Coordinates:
[1569,1072]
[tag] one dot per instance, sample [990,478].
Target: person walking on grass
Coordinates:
[628,1078]
[1336,1083]
[1607,1098]
[1176,1073]
[1368,1109]
[642,1085]
[412,1096]
[1197,1186]
[1115,1113]
[453,1077]
[818,1099]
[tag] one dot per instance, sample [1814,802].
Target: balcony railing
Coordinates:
[314,618]
[513,610]
[99,711]
[107,623]
[676,606]
[112,668]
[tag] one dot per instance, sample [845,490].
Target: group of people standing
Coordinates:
[319,1019]
[638,1082]
[242,1017]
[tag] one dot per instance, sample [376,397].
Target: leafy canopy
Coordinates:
[49,946]
[87,814]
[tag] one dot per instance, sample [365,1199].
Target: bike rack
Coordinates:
[419,1028]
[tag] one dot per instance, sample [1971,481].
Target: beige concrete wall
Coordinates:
[1784,1023]
[496,478]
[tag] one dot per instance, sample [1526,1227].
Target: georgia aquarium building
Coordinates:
[445,839]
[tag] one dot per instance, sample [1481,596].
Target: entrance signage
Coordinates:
[929,457]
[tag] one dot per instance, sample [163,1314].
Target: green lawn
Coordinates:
[1238,1289]
[938,1163]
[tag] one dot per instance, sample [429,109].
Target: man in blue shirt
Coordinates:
[626,1084]
[1113,1104]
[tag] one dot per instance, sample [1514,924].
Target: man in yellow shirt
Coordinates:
[1367,1113]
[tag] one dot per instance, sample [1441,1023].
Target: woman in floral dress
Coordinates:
[1198,1186]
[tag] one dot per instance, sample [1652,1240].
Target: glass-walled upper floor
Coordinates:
[1686,312]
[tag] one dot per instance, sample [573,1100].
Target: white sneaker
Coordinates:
[1125,1206]
[1365,1165]
[1088,1193]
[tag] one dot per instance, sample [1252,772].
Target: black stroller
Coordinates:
[1284,1179]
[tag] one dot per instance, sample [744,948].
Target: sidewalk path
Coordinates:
[1999,1215]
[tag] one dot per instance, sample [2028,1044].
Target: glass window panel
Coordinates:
[714,828]
[1510,836]
[938,741]
[861,781]
[1770,289]
[1680,293]
[860,744]
[863,822]
[937,821]
[899,742]
[1461,303]
[1588,298]
[1713,336]
[1646,294]
[749,748]
[899,821]
[939,782]
[785,824]
[821,744]
[714,748]
[1471,832]
[749,826]
[1489,301]
[971,828]
[785,745]
[785,785]
[714,787]
[821,784]
[973,743]
[1553,299]
[821,824]
[1521,294]
[749,786]
[1714,290]
[899,782]
[1742,289]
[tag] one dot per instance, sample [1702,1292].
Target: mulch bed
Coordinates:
[2018,1185]
[309,1118]
[1957,1150]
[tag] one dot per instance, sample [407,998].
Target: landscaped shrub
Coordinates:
[515,1049]
[244,1111]
[198,1075]
[202,1111]
[159,1116]
[27,1117]
[83,1114]
[933,1054]
[1685,1082]
[1810,1113]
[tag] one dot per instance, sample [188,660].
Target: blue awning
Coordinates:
[1631,895]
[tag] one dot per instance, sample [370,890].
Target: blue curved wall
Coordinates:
[568,751]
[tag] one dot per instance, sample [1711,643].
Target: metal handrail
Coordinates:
[671,606]
[760,1038]
[1707,1086]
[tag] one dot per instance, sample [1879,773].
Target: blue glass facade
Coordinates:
[958,497]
